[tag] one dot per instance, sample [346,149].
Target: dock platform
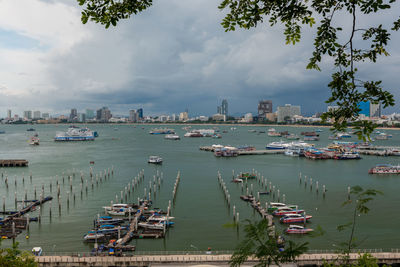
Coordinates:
[13,163]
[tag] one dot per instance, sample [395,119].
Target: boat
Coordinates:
[277,145]
[172,137]
[295,218]
[30,130]
[273,133]
[193,134]
[2,132]
[385,169]
[93,236]
[318,130]
[110,228]
[37,251]
[237,180]
[298,229]
[348,155]
[313,153]
[344,135]
[162,131]
[247,175]
[226,152]
[382,136]
[292,137]
[252,131]
[311,138]
[334,137]
[217,136]
[155,160]
[108,220]
[282,211]
[273,206]
[159,218]
[75,134]
[309,133]
[34,141]
[154,226]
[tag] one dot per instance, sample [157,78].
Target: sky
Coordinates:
[173,56]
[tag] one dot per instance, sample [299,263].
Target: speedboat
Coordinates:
[154,226]
[155,160]
[34,141]
[172,137]
[277,145]
[282,211]
[275,205]
[295,218]
[109,228]
[92,236]
[298,229]
[108,220]
[37,251]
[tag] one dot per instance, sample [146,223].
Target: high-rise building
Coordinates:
[103,114]
[28,114]
[183,116]
[89,114]
[287,112]
[375,110]
[133,115]
[73,116]
[140,112]
[264,107]
[36,114]
[224,107]
[9,114]
[81,117]
[365,108]
[45,116]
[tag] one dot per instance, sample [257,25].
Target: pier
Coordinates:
[261,152]
[13,163]
[184,258]
[26,209]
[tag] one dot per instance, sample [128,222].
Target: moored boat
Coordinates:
[172,137]
[34,141]
[75,134]
[385,169]
[298,229]
[162,131]
[155,160]
[282,211]
[295,218]
[277,145]
[275,205]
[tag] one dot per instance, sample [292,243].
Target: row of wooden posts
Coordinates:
[227,197]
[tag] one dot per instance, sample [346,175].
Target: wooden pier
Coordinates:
[132,228]
[26,209]
[13,163]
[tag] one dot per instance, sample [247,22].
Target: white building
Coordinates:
[183,116]
[287,112]
[36,114]
[28,114]
[9,114]
[219,117]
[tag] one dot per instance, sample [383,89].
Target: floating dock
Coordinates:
[13,163]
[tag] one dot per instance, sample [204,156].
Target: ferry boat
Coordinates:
[155,160]
[172,137]
[162,131]
[295,218]
[385,169]
[75,134]
[298,229]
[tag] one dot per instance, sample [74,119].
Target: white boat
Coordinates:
[172,137]
[160,218]
[155,160]
[75,134]
[34,141]
[162,131]
[154,226]
[117,206]
[382,136]
[92,236]
[277,145]
[37,251]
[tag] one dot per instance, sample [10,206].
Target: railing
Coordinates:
[212,252]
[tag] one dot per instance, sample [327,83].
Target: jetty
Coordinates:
[263,212]
[261,152]
[26,209]
[13,163]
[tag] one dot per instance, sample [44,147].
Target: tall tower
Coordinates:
[224,107]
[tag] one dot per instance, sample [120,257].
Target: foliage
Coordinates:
[364,260]
[109,12]
[13,257]
[262,243]
[347,91]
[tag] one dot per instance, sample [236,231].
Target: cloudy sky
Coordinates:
[172,57]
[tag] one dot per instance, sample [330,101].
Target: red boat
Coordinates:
[295,218]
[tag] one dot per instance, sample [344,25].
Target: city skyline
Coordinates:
[183,59]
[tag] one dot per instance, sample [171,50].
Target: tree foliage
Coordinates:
[263,243]
[13,257]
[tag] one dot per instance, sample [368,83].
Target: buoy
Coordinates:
[27,237]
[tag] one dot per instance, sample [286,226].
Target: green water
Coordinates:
[200,209]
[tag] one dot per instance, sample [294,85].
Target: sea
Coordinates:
[203,218]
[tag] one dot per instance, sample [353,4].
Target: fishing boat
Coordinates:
[75,134]
[298,229]
[282,211]
[172,137]
[295,218]
[34,141]
[162,131]
[92,236]
[155,160]
[385,169]
[277,145]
